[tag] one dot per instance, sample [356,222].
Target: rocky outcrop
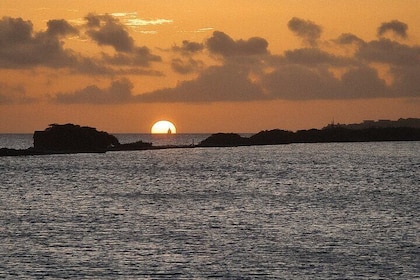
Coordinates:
[135,146]
[330,134]
[224,140]
[70,138]
[73,138]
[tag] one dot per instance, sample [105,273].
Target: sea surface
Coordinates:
[298,211]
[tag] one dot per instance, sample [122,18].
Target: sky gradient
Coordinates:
[207,66]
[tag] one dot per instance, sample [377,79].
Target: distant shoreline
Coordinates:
[72,139]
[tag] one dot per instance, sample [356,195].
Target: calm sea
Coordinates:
[299,211]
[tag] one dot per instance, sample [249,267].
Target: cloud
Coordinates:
[248,71]
[406,80]
[307,30]
[348,38]
[299,74]
[221,43]
[21,47]
[362,82]
[217,83]
[288,82]
[399,28]
[141,56]
[118,92]
[186,66]
[131,19]
[390,52]
[13,95]
[188,47]
[60,27]
[297,82]
[110,33]
[314,56]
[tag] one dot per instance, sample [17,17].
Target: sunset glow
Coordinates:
[212,65]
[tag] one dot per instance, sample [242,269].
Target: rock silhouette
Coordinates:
[224,140]
[73,138]
[329,134]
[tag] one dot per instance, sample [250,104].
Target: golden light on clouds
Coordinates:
[251,65]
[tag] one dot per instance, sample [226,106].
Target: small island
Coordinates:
[71,138]
[368,131]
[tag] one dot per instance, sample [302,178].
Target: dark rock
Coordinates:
[139,145]
[329,134]
[73,138]
[224,140]
[272,137]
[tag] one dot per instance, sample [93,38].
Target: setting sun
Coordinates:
[163,127]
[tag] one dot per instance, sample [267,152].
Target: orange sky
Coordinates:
[207,66]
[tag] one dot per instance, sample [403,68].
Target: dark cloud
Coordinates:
[141,56]
[60,27]
[14,31]
[362,82]
[93,20]
[110,33]
[391,52]
[20,47]
[217,83]
[314,56]
[348,38]
[247,72]
[182,66]
[300,74]
[289,82]
[406,80]
[118,92]
[307,30]
[107,30]
[222,44]
[399,28]
[188,47]
[297,82]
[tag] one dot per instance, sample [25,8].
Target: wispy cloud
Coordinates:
[132,19]
[200,30]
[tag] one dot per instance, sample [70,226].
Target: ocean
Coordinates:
[297,211]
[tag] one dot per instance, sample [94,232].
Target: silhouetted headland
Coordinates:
[326,135]
[368,131]
[71,138]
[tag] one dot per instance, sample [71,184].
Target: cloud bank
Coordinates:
[307,73]
[243,69]
[22,47]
